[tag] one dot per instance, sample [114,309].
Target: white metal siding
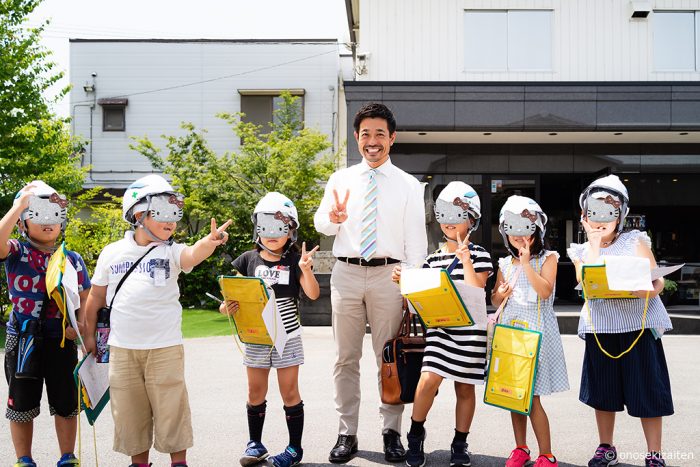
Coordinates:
[141,71]
[593,40]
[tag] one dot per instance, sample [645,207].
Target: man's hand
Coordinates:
[396,274]
[338,213]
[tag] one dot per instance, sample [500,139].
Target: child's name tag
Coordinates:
[283,278]
[531,294]
[159,276]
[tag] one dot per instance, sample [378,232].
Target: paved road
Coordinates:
[217,388]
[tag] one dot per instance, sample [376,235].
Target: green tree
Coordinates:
[35,144]
[290,159]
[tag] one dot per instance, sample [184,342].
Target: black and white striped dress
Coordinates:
[458,353]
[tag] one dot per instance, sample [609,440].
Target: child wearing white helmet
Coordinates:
[457,353]
[40,214]
[287,271]
[640,380]
[524,292]
[137,277]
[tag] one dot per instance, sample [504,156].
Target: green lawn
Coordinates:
[204,323]
[195,323]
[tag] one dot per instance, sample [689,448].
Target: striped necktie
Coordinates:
[368,243]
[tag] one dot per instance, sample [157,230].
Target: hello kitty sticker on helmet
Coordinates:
[458,203]
[605,200]
[275,225]
[520,216]
[46,206]
[166,207]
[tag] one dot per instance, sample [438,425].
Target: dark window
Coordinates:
[113,114]
[259,106]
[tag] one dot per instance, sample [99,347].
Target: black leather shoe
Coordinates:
[393,449]
[344,449]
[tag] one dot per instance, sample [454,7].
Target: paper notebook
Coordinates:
[93,379]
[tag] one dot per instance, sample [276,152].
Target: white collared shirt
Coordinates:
[400,213]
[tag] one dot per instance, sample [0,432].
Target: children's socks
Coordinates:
[295,424]
[460,436]
[256,420]
[416,428]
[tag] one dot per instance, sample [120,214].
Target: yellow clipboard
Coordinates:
[440,306]
[251,295]
[594,281]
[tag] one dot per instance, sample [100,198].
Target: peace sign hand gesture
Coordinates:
[338,213]
[307,261]
[218,236]
[462,252]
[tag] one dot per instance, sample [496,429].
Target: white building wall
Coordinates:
[154,77]
[593,40]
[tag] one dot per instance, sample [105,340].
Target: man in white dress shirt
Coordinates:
[377,214]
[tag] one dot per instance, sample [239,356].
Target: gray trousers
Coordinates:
[360,295]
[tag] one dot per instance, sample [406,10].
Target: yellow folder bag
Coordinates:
[251,295]
[512,371]
[594,280]
[55,269]
[441,306]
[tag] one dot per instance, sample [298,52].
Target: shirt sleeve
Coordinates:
[240,264]
[415,236]
[81,269]
[177,250]
[576,252]
[15,248]
[101,275]
[321,221]
[639,236]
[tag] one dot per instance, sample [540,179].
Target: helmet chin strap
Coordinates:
[279,255]
[147,230]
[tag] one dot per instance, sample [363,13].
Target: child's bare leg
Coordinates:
[540,425]
[66,429]
[606,426]
[288,379]
[519,422]
[652,432]
[257,385]
[140,458]
[180,456]
[22,434]
[428,385]
[466,404]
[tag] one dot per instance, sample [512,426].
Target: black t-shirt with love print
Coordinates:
[283,275]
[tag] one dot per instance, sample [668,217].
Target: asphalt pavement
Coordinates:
[217,388]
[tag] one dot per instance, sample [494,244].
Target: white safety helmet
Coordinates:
[521,216]
[457,203]
[274,217]
[605,200]
[143,195]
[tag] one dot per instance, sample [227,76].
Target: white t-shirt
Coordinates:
[146,313]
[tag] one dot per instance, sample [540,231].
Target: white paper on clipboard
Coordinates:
[95,379]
